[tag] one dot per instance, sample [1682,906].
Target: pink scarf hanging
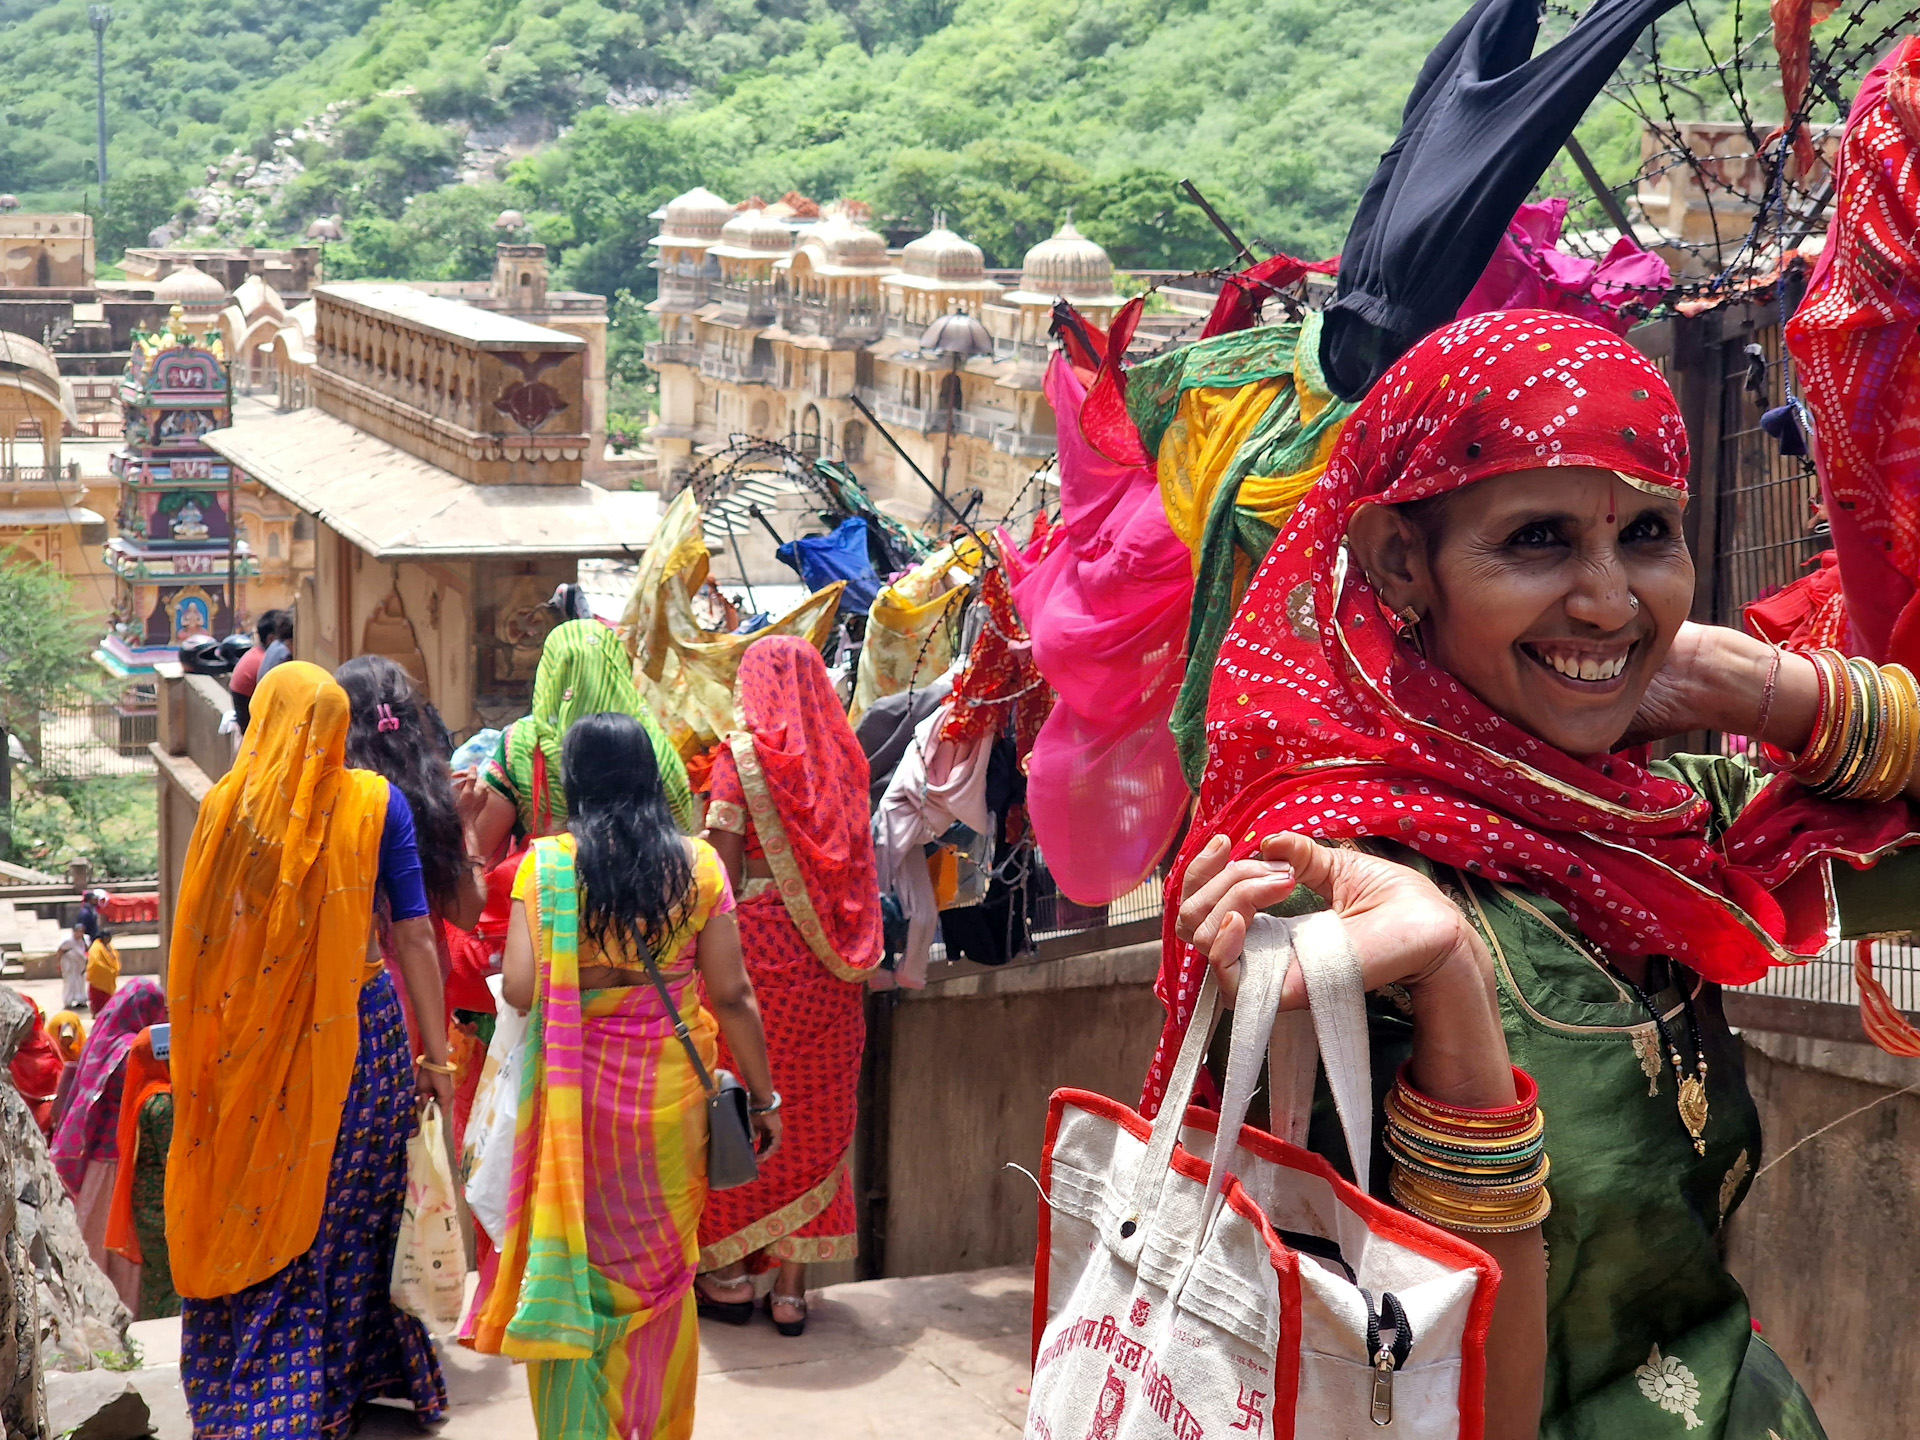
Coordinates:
[1107,607]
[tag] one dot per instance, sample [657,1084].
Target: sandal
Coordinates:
[728,1312]
[792,1329]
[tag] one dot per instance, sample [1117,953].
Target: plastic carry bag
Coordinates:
[488,1160]
[430,1260]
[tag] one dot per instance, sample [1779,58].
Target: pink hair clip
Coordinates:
[387,721]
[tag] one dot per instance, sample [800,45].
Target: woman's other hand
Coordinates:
[768,1128]
[1403,928]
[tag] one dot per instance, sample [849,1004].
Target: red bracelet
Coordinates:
[1523,1084]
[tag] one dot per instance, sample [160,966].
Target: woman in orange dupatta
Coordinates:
[293,1090]
[788,815]
[136,1220]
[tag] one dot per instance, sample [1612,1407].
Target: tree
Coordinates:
[141,196]
[45,644]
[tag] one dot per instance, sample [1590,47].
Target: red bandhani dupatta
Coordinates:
[1321,721]
[805,778]
[1857,340]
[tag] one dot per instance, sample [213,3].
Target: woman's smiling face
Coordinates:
[1551,594]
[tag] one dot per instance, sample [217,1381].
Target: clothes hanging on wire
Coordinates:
[1529,271]
[1485,119]
[1243,426]
[1107,608]
[842,555]
[886,730]
[938,782]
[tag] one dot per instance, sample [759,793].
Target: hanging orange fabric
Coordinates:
[268,955]
[146,1078]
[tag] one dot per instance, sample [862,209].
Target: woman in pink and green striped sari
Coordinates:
[594,1282]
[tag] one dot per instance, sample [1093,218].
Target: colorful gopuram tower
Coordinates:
[171,555]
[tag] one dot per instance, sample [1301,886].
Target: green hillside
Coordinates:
[1003,114]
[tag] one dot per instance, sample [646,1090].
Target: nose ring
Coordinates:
[1633,602]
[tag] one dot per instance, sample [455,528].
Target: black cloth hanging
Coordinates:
[1484,121]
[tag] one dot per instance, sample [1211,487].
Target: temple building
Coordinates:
[770,322]
[441,464]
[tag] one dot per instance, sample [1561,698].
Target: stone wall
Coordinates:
[975,1062]
[1826,1243]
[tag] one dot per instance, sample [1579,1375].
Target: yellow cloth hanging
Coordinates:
[1206,433]
[908,641]
[684,671]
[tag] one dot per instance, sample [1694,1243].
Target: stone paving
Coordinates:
[937,1355]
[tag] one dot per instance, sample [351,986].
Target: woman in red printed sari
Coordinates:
[788,815]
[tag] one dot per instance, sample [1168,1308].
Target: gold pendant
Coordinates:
[1693,1110]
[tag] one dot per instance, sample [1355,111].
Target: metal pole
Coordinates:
[953,401]
[1240,246]
[99,17]
[1609,202]
[887,435]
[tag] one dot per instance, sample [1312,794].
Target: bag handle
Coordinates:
[1337,1003]
[1333,1029]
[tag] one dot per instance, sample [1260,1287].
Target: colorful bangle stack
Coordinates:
[1480,1171]
[1866,730]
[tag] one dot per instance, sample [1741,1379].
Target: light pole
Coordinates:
[99,17]
[960,337]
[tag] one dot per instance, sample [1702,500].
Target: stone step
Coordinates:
[139,955]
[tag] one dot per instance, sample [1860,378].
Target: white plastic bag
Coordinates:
[488,1159]
[430,1260]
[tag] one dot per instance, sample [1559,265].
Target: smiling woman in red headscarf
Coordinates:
[1433,675]
[788,814]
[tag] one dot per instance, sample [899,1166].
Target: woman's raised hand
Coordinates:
[1403,928]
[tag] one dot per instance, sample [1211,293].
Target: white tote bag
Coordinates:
[1265,1298]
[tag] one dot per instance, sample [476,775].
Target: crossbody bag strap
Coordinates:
[684,1035]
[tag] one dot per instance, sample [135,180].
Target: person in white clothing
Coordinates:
[73,968]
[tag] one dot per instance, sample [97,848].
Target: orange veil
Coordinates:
[268,955]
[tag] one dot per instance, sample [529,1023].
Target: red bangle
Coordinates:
[1823,690]
[1523,1084]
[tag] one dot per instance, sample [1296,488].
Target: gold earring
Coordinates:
[1409,619]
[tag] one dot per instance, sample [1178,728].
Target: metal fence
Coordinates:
[86,740]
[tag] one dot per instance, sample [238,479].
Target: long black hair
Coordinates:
[635,874]
[411,753]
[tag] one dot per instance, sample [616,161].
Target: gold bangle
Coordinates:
[1832,778]
[1398,1117]
[1903,727]
[1436,1211]
[1823,751]
[436,1067]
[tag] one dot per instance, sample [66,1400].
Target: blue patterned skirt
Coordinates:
[295,1355]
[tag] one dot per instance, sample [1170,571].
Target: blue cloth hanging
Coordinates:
[823,559]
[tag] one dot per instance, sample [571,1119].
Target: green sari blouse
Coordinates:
[1648,1335]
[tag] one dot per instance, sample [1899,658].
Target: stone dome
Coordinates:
[510,220]
[845,245]
[754,232]
[942,255]
[695,218]
[193,290]
[1068,265]
[325,228]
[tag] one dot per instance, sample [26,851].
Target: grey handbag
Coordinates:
[731,1161]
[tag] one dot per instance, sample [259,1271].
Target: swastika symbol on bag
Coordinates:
[1249,1405]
